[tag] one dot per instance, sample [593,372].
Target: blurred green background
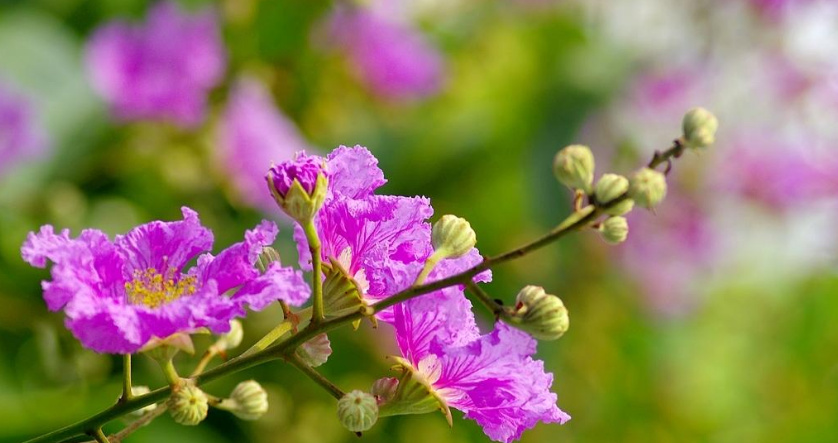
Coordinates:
[752,359]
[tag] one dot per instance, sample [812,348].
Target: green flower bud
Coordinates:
[452,237]
[700,127]
[188,404]
[610,186]
[358,411]
[574,167]
[623,207]
[248,401]
[316,351]
[647,187]
[614,230]
[542,315]
[231,339]
[266,258]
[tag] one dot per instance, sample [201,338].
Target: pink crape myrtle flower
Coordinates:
[492,378]
[117,295]
[381,240]
[162,69]
[392,59]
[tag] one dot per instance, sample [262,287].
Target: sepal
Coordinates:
[413,394]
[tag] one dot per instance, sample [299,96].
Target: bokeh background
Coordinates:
[714,322]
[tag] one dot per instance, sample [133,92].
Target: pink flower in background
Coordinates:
[162,69]
[391,58]
[777,175]
[21,135]
[253,134]
[669,252]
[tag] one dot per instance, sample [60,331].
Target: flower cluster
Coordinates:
[118,295]
[162,69]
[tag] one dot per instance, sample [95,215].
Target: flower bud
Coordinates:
[614,230]
[384,389]
[647,187]
[188,405]
[452,237]
[609,187]
[267,257]
[574,167]
[542,315]
[700,127]
[248,401]
[299,186]
[316,351]
[232,339]
[357,411]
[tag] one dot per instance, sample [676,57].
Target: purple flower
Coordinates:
[21,136]
[392,59]
[767,171]
[117,295]
[381,240]
[304,168]
[254,134]
[492,378]
[161,69]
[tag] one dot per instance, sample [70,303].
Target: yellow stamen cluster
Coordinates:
[154,289]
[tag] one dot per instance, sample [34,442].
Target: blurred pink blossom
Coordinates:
[253,134]
[161,69]
[21,134]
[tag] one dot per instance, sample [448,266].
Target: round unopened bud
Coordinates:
[541,314]
[358,411]
[384,389]
[453,237]
[700,127]
[614,230]
[574,167]
[188,405]
[647,187]
[610,187]
[232,339]
[248,401]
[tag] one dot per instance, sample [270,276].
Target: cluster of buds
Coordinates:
[616,195]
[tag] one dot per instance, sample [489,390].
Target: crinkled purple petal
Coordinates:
[496,383]
[278,283]
[235,265]
[164,245]
[354,172]
[303,168]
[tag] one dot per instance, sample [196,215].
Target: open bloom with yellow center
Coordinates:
[117,295]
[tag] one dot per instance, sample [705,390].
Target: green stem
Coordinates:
[269,338]
[171,373]
[430,264]
[126,379]
[286,348]
[306,369]
[317,273]
[484,298]
[99,436]
[205,359]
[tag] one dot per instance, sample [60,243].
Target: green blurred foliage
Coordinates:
[747,365]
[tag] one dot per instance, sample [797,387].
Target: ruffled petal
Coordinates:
[165,245]
[495,382]
[235,265]
[439,317]
[106,326]
[278,283]
[353,172]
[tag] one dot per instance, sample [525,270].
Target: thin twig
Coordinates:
[321,380]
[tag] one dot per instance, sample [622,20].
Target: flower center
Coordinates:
[154,289]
